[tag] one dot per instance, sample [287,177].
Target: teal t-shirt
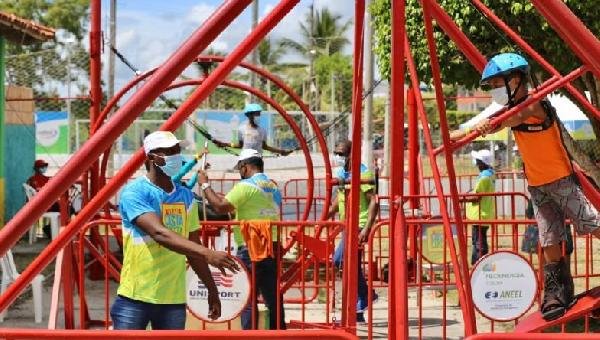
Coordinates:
[152,273]
[254,198]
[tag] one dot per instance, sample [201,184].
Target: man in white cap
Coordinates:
[160,230]
[254,198]
[481,207]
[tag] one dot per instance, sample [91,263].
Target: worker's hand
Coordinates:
[484,127]
[202,177]
[222,261]
[214,305]
[286,152]
[363,237]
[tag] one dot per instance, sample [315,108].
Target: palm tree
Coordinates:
[327,36]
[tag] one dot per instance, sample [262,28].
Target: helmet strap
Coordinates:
[511,95]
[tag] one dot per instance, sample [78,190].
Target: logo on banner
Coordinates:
[234,293]
[503,285]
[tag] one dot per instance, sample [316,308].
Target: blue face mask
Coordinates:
[172,165]
[43,169]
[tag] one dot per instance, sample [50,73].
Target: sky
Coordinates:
[148,31]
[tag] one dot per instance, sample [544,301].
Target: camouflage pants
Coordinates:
[555,201]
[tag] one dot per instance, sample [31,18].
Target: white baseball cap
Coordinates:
[484,156]
[162,139]
[248,153]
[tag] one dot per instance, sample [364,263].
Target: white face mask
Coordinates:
[339,160]
[499,95]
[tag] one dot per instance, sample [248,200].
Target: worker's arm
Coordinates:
[218,203]
[273,149]
[203,271]
[151,224]
[333,209]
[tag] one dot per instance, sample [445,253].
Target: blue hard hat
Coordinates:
[504,64]
[252,107]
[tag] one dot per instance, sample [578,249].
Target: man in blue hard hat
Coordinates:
[555,192]
[251,135]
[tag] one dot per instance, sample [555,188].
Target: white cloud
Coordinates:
[148,37]
[199,13]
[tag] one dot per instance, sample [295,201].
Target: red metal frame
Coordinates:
[397,292]
[569,27]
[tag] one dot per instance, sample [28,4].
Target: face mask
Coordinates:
[43,169]
[499,95]
[172,165]
[339,160]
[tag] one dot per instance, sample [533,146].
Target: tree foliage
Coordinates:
[327,36]
[520,15]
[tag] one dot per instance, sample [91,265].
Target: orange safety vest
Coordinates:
[543,152]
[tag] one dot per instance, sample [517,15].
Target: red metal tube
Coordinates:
[583,42]
[351,261]
[99,142]
[95,78]
[533,53]
[470,324]
[398,288]
[95,64]
[437,179]
[413,163]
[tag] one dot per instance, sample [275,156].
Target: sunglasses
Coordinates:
[339,153]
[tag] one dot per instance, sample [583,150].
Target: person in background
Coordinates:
[255,199]
[161,231]
[368,208]
[251,135]
[481,207]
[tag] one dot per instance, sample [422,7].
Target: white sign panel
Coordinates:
[503,286]
[234,292]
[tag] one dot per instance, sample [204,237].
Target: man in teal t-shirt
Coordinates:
[254,198]
[368,208]
[481,207]
[160,230]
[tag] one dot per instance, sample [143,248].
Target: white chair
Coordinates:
[53,217]
[10,274]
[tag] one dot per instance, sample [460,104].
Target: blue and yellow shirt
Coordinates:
[152,273]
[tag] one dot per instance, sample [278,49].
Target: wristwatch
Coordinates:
[204,186]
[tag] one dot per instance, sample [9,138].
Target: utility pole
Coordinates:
[254,55]
[367,144]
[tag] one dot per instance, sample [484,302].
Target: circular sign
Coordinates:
[47,133]
[234,292]
[504,286]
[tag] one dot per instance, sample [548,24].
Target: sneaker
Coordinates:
[362,304]
[360,317]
